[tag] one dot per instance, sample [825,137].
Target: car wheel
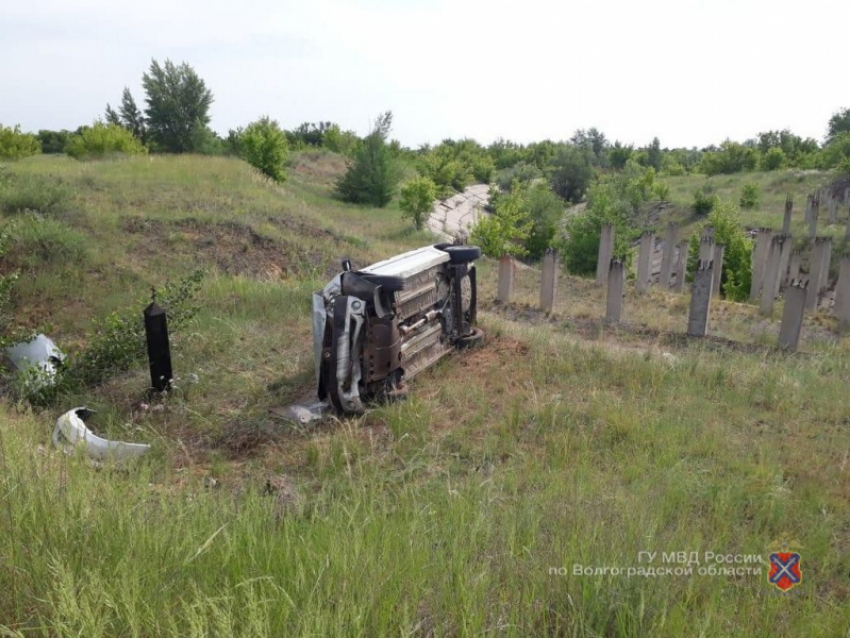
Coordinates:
[462,254]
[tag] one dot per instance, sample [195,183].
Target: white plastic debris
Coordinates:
[40,353]
[71,432]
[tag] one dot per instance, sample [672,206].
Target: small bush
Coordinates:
[773,160]
[15,145]
[263,145]
[37,193]
[704,202]
[736,275]
[417,199]
[45,239]
[662,191]
[100,140]
[118,340]
[750,196]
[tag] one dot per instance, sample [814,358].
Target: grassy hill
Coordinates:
[460,511]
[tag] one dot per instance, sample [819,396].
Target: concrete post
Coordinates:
[842,295]
[792,316]
[667,255]
[847,229]
[833,209]
[793,268]
[606,252]
[681,266]
[784,261]
[549,280]
[719,250]
[760,253]
[813,222]
[706,248]
[773,274]
[821,251]
[507,271]
[810,204]
[701,299]
[789,210]
[647,246]
[847,195]
[614,305]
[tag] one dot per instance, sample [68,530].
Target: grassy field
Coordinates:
[461,511]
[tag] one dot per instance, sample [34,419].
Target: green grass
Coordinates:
[453,513]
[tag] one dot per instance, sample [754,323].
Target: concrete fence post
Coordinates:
[681,266]
[833,209]
[647,247]
[789,210]
[842,295]
[759,260]
[606,252]
[549,280]
[792,316]
[793,268]
[614,301]
[818,270]
[701,299]
[667,255]
[773,273]
[719,251]
[810,205]
[507,272]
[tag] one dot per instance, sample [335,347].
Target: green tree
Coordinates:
[131,117]
[654,154]
[373,176]
[571,174]
[619,154]
[178,104]
[263,145]
[15,144]
[417,199]
[504,231]
[838,123]
[750,196]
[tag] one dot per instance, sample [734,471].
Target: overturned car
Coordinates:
[376,328]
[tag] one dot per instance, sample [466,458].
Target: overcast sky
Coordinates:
[692,72]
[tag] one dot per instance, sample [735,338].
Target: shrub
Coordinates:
[100,140]
[736,275]
[118,340]
[7,281]
[263,145]
[417,199]
[37,193]
[750,196]
[372,177]
[773,160]
[504,231]
[731,158]
[582,232]
[521,172]
[662,191]
[704,201]
[15,145]
[53,141]
[545,210]
[571,174]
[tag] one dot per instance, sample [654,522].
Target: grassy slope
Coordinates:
[774,187]
[561,442]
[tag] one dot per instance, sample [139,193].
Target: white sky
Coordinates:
[692,72]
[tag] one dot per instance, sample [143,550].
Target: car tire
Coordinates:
[442,246]
[462,254]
